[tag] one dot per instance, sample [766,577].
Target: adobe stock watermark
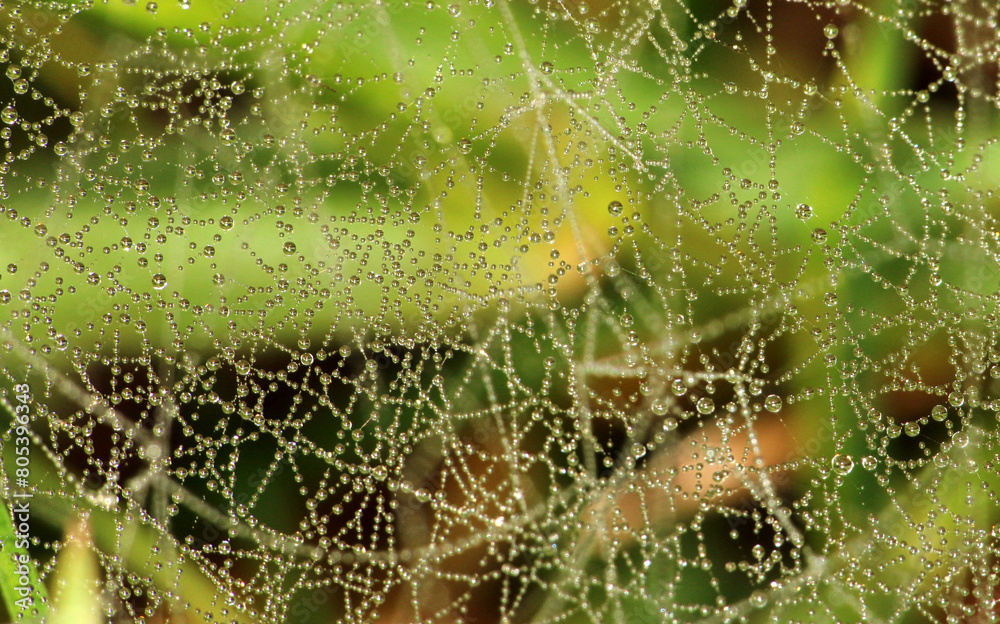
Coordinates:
[20,496]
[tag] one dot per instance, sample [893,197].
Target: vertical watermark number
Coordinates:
[21,578]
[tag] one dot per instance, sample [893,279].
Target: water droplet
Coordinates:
[464,146]
[842,464]
[830,31]
[288,248]
[159,281]
[660,407]
[9,115]
[772,403]
[705,406]
[615,208]
[912,428]
[939,413]
[803,211]
[226,222]
[868,462]
[546,67]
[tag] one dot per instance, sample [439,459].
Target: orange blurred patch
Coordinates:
[707,469]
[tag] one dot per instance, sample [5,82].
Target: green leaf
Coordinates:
[77,579]
[24,594]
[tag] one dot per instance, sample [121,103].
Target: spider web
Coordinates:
[508,311]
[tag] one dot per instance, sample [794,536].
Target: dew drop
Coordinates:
[939,413]
[842,464]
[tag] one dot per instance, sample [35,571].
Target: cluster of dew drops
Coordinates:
[254,191]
